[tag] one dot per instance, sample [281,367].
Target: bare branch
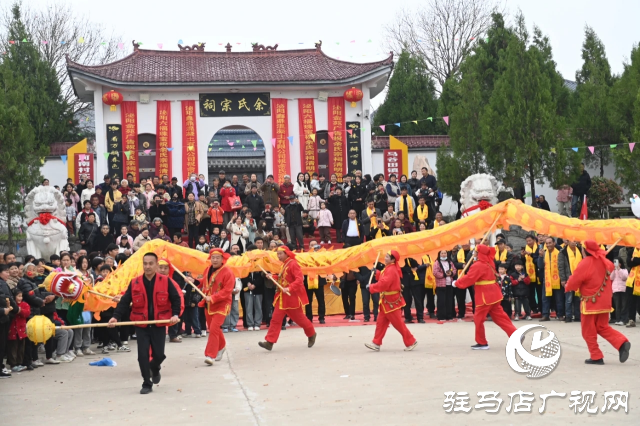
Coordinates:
[443,33]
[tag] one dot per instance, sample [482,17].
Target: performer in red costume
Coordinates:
[391,304]
[482,274]
[217,284]
[289,302]
[591,277]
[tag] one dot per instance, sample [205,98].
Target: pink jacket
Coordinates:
[564,194]
[439,274]
[619,278]
[325,218]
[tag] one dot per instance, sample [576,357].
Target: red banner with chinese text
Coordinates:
[189,139]
[308,151]
[163,138]
[392,159]
[280,131]
[129,111]
[84,166]
[337,127]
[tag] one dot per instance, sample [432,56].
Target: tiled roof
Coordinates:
[183,67]
[571,85]
[423,141]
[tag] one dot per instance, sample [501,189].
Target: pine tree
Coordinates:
[21,153]
[411,96]
[50,116]
[592,121]
[521,125]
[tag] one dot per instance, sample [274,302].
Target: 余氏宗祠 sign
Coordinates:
[235,104]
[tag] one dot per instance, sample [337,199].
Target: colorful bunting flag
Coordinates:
[81,40]
[553,150]
[382,127]
[254,143]
[159,45]
[350,131]
[331,135]
[254,148]
[575,149]
[147,151]
[612,146]
[430,119]
[631,145]
[64,159]
[180,41]
[127,153]
[230,143]
[169,149]
[121,46]
[592,149]
[446,119]
[273,142]
[397,124]
[313,136]
[290,139]
[415,121]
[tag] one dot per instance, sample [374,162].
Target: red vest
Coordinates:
[161,301]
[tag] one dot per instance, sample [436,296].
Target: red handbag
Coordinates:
[235,203]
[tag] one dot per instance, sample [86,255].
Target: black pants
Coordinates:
[633,302]
[522,302]
[366,297]
[15,352]
[297,239]
[352,241]
[193,235]
[112,225]
[204,226]
[620,305]
[415,292]
[349,290]
[244,311]
[431,301]
[174,231]
[319,292]
[4,338]
[445,302]
[461,297]
[108,335]
[30,352]
[506,305]
[267,304]
[150,337]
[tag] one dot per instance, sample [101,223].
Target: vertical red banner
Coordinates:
[392,162]
[189,139]
[308,151]
[129,111]
[337,130]
[163,138]
[84,166]
[279,141]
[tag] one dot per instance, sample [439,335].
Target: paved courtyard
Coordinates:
[338,382]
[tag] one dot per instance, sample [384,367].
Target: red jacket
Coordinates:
[290,276]
[18,327]
[285,192]
[225,193]
[216,216]
[594,284]
[390,289]
[483,276]
[161,301]
[219,286]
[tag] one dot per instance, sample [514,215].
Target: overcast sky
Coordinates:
[338,22]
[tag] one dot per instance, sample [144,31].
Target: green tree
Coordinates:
[592,120]
[625,101]
[21,153]
[602,194]
[411,96]
[49,115]
[521,123]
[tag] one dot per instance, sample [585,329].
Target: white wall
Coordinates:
[208,126]
[54,170]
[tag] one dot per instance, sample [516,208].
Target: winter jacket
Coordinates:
[325,218]
[583,185]
[87,234]
[270,194]
[216,215]
[226,193]
[293,214]
[314,205]
[101,242]
[520,288]
[329,187]
[285,194]
[5,293]
[506,285]
[302,191]
[139,242]
[155,230]
[339,206]
[121,212]
[619,277]
[199,210]
[255,278]
[255,204]
[393,192]
[156,210]
[439,273]
[101,213]
[110,202]
[269,217]
[31,295]
[176,215]
[18,327]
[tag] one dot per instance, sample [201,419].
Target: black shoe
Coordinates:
[568,320]
[367,319]
[155,377]
[145,390]
[421,321]
[594,361]
[312,340]
[266,345]
[612,321]
[321,321]
[624,351]
[432,316]
[347,317]
[283,328]
[543,319]
[479,347]
[408,321]
[375,319]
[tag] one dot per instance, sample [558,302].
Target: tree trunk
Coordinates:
[533,186]
[602,165]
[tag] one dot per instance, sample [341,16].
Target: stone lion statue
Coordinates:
[45,217]
[479,192]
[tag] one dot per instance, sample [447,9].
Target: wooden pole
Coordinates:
[614,244]
[373,271]
[187,281]
[101,294]
[118,324]
[274,281]
[481,242]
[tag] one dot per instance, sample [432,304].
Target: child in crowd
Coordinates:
[140,217]
[18,334]
[177,239]
[505,284]
[314,204]
[215,238]
[308,224]
[520,280]
[269,217]
[71,214]
[619,277]
[202,244]
[251,225]
[325,221]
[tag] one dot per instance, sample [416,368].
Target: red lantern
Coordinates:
[112,98]
[353,95]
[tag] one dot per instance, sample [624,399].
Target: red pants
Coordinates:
[498,316]
[297,315]
[592,325]
[216,337]
[395,318]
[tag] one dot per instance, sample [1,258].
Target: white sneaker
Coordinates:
[71,354]
[38,363]
[105,350]
[410,348]
[66,358]
[18,368]
[208,360]
[125,342]
[619,323]
[256,328]
[204,333]
[528,318]
[373,346]
[124,348]
[52,361]
[197,336]
[321,242]
[88,351]
[250,328]
[220,353]
[329,242]
[112,347]
[78,352]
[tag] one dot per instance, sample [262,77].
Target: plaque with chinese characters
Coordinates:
[235,104]
[114,148]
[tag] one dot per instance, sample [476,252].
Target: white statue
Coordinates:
[635,205]
[477,193]
[46,226]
